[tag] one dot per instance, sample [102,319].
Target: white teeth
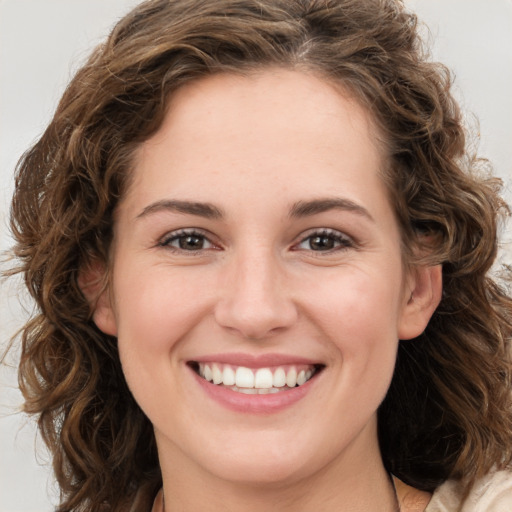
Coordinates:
[244,378]
[291,378]
[279,378]
[228,376]
[216,374]
[301,378]
[254,391]
[263,378]
[248,391]
[208,373]
[261,381]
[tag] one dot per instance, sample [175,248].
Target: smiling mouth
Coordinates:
[256,381]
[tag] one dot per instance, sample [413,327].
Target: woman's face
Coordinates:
[258,289]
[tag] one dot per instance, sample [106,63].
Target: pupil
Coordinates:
[191,242]
[321,243]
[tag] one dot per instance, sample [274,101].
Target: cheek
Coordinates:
[155,310]
[359,313]
[358,301]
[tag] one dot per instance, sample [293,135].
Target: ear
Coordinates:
[92,283]
[422,296]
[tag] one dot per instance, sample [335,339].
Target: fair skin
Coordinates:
[257,233]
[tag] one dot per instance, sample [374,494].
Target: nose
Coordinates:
[255,299]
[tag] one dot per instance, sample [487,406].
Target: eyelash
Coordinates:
[181,235]
[339,240]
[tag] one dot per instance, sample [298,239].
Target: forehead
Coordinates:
[291,97]
[271,102]
[275,125]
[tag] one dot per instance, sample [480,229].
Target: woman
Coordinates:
[237,212]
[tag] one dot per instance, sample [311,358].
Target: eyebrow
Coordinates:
[299,209]
[316,206]
[207,210]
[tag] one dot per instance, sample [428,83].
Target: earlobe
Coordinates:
[103,314]
[423,295]
[92,283]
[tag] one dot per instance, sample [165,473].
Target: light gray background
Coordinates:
[41,44]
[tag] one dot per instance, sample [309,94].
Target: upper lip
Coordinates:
[254,361]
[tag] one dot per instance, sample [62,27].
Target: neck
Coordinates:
[354,495]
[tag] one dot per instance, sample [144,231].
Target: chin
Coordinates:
[265,463]
[272,473]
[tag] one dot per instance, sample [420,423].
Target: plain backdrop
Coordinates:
[43,41]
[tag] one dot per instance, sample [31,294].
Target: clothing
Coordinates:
[492,493]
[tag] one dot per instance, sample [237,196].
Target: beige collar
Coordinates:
[409,498]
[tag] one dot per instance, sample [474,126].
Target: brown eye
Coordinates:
[187,241]
[324,241]
[191,242]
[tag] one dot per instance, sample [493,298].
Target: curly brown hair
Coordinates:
[448,412]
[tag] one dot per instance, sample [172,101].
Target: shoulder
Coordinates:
[492,493]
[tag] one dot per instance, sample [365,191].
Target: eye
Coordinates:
[189,240]
[325,240]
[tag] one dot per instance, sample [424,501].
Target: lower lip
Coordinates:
[254,404]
